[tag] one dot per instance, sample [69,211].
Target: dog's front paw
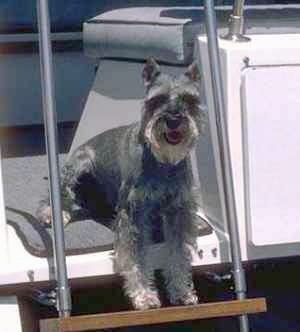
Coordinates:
[146,299]
[66,217]
[189,298]
[44,215]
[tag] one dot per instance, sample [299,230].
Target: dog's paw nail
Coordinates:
[190,300]
[48,221]
[146,300]
[44,216]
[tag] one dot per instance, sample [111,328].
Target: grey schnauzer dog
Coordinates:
[142,174]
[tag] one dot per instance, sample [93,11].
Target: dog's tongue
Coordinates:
[174,137]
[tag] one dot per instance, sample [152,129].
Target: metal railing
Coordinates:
[222,140]
[49,109]
[64,303]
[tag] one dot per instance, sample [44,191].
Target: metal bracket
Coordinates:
[236,24]
[48,299]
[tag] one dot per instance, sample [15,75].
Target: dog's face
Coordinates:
[172,119]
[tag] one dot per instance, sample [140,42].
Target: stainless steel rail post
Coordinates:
[236,23]
[63,292]
[225,160]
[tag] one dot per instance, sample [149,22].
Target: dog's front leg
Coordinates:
[79,164]
[180,237]
[132,238]
[44,212]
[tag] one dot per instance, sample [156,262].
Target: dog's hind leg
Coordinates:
[78,165]
[179,233]
[130,258]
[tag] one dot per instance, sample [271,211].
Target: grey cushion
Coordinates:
[138,33]
[25,183]
[168,33]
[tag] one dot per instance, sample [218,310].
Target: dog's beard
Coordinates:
[180,142]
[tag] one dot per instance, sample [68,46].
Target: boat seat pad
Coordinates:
[168,33]
[138,33]
[25,183]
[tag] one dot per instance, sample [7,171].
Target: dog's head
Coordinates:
[172,119]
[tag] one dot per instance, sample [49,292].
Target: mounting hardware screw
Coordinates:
[200,253]
[214,252]
[246,61]
[30,274]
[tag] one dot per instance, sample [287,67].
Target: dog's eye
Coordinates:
[156,102]
[189,99]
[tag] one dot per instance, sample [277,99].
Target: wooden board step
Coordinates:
[153,316]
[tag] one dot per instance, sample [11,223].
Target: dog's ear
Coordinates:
[150,71]
[193,72]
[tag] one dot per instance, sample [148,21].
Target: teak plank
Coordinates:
[154,316]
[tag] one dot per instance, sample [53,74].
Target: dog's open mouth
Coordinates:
[174,136]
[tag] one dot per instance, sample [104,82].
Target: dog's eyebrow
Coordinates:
[189,98]
[156,100]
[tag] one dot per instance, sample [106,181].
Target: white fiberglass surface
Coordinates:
[271,113]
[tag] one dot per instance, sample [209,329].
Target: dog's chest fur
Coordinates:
[159,186]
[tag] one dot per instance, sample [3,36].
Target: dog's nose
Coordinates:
[173,123]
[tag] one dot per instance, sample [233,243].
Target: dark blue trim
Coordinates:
[68,15]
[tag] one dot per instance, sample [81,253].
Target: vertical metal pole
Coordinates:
[3,227]
[64,302]
[238,7]
[236,23]
[225,160]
